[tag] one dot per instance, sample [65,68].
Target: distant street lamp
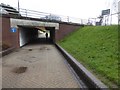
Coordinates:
[18,6]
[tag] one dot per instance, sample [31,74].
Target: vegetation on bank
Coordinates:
[96,47]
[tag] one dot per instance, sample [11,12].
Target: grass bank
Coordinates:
[96,47]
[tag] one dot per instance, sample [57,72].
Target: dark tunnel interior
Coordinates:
[33,35]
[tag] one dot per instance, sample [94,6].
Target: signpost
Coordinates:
[18,6]
[106,12]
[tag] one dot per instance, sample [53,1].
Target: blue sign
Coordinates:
[13,29]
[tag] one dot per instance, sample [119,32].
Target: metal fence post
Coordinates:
[26,12]
[68,18]
[111,20]
[81,21]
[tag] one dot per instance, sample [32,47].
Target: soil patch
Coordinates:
[30,49]
[44,48]
[20,70]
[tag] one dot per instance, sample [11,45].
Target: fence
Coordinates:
[42,15]
[107,19]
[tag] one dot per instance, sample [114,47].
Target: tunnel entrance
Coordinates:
[30,35]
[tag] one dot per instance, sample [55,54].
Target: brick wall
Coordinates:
[65,29]
[13,38]
[0,30]
[8,37]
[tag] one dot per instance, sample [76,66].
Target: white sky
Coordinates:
[83,9]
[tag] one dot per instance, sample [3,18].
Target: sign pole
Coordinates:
[106,13]
[18,6]
[105,20]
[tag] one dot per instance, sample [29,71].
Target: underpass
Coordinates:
[36,62]
[32,34]
[43,67]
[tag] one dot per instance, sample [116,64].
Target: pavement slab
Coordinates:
[37,66]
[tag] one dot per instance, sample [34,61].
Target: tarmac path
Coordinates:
[37,66]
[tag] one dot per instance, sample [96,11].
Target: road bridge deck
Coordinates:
[45,68]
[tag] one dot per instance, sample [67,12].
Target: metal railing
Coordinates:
[107,20]
[42,15]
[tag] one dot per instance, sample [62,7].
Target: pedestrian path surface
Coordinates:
[37,66]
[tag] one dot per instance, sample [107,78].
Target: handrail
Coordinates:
[42,15]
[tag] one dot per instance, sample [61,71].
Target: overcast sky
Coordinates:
[75,8]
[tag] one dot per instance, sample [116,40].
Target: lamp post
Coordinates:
[18,6]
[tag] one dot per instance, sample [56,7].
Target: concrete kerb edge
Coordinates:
[82,72]
[5,52]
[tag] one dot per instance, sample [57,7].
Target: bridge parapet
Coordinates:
[20,13]
[23,22]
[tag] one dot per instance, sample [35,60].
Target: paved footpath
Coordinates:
[46,68]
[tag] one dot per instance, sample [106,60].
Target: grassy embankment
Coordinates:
[96,47]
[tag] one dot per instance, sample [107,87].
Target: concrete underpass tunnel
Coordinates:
[32,34]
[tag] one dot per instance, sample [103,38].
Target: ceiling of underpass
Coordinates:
[41,28]
[33,23]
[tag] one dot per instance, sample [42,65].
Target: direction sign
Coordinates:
[13,29]
[106,12]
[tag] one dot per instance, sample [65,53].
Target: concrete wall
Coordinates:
[64,30]
[23,37]
[24,22]
[26,35]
